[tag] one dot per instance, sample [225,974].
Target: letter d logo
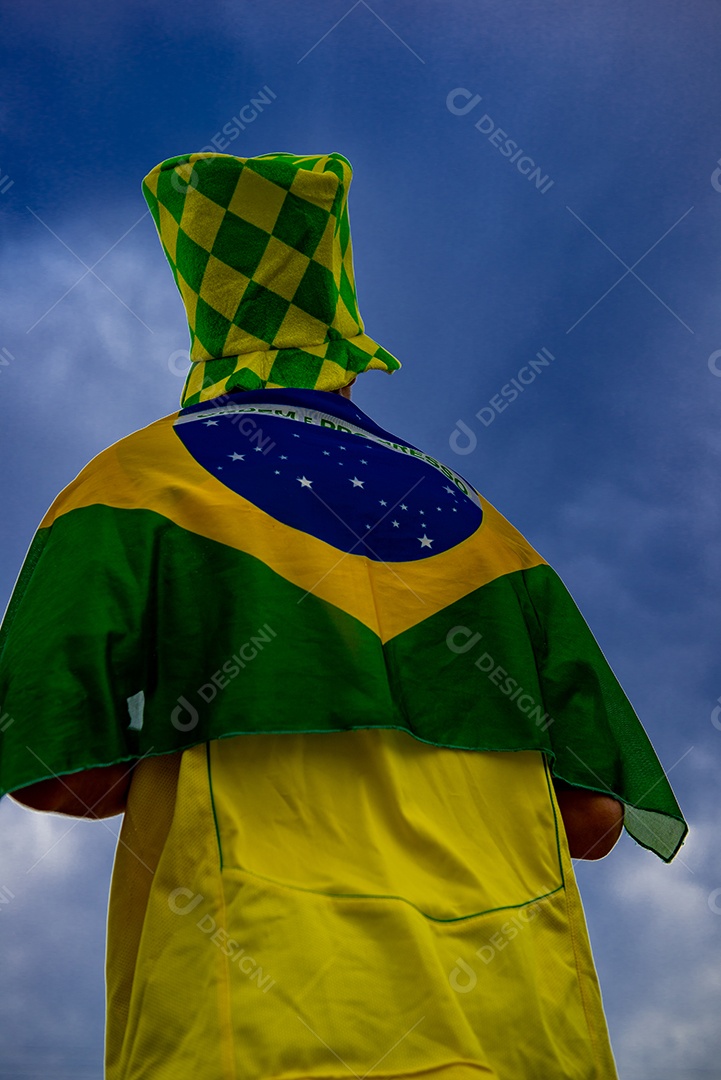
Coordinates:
[471,100]
[462,968]
[184,706]
[462,430]
[183,909]
[715,177]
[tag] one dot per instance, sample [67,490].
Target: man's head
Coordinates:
[261,252]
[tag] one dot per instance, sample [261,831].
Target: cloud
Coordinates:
[55,876]
[670,936]
[87,361]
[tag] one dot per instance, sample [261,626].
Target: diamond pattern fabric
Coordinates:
[260,250]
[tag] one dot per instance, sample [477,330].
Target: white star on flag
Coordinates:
[403,506]
[449,490]
[395,524]
[383,502]
[237,457]
[356,482]
[303,481]
[425,542]
[211,423]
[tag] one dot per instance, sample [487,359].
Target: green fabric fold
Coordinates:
[112,604]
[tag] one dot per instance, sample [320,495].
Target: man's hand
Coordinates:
[94,793]
[593,822]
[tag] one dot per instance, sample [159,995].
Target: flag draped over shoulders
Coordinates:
[274,562]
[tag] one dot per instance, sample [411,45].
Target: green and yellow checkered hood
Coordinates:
[260,249]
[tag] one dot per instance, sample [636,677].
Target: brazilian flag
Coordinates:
[274,561]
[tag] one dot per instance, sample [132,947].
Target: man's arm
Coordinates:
[94,793]
[593,822]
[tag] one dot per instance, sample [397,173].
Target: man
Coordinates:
[356,724]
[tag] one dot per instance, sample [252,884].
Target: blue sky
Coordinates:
[608,461]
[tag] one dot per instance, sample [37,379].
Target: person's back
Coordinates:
[301,905]
[357,724]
